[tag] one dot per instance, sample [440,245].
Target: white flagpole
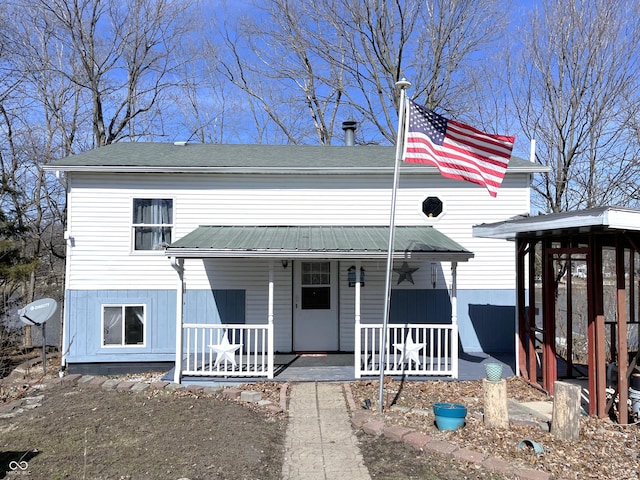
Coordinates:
[402,85]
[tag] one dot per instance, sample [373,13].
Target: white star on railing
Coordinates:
[410,350]
[225,350]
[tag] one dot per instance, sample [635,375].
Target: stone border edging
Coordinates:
[106,383]
[371,424]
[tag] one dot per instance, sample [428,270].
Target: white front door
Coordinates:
[315,309]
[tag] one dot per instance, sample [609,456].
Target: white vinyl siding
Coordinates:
[371,300]
[251,275]
[100,255]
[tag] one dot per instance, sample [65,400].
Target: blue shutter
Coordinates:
[419,306]
[231,305]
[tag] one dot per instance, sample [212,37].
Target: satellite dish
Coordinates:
[38,312]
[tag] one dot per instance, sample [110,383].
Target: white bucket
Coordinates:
[634,396]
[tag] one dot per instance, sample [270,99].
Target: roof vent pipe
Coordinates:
[349,128]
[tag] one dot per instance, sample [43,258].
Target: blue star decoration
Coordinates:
[405,272]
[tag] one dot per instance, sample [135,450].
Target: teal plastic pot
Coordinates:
[449,416]
[493,371]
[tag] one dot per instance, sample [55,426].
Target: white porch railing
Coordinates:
[411,349]
[227,350]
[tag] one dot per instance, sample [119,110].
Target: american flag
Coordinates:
[458,151]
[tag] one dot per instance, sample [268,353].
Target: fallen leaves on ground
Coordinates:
[604,450]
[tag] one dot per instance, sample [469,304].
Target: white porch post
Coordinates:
[454,319]
[358,334]
[270,333]
[178,265]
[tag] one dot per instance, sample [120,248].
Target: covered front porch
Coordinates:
[327,266]
[338,367]
[247,351]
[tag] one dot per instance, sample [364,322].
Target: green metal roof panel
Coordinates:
[318,241]
[235,158]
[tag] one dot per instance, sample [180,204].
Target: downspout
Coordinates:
[178,266]
[69,244]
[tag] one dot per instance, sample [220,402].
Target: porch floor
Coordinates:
[339,367]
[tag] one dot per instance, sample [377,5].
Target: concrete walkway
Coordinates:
[320,443]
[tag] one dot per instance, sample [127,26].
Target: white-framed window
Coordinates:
[123,325]
[152,223]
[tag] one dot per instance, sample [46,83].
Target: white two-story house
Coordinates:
[216,257]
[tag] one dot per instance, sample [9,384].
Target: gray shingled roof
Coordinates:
[168,157]
[316,242]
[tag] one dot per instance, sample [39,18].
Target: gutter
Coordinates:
[287,254]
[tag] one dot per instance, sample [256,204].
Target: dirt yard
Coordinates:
[88,433]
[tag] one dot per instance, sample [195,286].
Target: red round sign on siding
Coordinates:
[38,312]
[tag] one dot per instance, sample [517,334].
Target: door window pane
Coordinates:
[316,298]
[316,286]
[316,273]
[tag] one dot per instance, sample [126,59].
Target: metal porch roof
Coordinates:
[583,221]
[317,242]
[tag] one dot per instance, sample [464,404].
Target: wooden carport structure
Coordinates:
[597,248]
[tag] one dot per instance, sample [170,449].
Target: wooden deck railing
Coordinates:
[247,350]
[411,349]
[228,350]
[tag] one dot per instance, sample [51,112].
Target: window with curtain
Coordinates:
[123,325]
[152,223]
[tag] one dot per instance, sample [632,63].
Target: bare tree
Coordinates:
[575,88]
[434,44]
[122,54]
[34,126]
[9,73]
[77,74]
[270,58]
[307,64]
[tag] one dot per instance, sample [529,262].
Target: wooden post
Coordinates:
[531,320]
[27,341]
[549,288]
[622,347]
[565,421]
[521,312]
[495,403]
